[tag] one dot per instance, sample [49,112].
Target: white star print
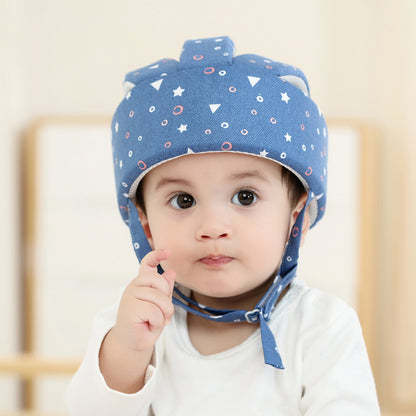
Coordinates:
[183,128]
[264,153]
[285,97]
[288,137]
[128,95]
[178,92]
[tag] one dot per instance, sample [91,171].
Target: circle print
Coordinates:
[168,144]
[152,109]
[226,146]
[308,171]
[131,114]
[209,70]
[208,131]
[141,165]
[224,125]
[232,89]
[222,73]
[244,132]
[254,112]
[273,120]
[164,122]
[198,57]
[260,99]
[177,110]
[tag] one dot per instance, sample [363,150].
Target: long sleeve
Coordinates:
[336,373]
[88,393]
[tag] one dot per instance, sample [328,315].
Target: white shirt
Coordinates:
[319,337]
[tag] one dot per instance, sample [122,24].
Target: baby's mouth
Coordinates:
[217,260]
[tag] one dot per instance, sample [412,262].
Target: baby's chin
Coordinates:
[231,298]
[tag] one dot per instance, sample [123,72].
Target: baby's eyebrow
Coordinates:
[253,174]
[169,181]
[256,174]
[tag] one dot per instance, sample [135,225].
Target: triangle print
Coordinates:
[156,85]
[253,80]
[214,107]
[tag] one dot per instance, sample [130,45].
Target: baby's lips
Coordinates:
[215,260]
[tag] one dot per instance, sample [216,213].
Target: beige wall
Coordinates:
[69,58]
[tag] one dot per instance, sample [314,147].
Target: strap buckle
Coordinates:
[252,316]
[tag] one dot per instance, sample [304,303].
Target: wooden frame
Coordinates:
[29,365]
[367,302]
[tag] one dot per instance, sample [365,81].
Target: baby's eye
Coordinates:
[182,201]
[244,197]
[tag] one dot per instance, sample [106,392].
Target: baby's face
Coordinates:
[225,217]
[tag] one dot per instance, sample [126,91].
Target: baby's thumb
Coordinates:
[170,277]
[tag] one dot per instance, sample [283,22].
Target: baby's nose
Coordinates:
[213,235]
[213,227]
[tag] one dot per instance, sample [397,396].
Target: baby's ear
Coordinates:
[146,227]
[306,218]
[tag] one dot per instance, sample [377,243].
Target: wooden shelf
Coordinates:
[28,366]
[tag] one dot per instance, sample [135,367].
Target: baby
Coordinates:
[220,165]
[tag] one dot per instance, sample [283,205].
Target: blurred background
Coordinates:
[60,59]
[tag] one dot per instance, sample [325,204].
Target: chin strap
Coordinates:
[263,310]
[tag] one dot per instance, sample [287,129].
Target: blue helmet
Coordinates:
[211,101]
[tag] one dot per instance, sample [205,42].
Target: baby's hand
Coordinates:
[145,309]
[146,305]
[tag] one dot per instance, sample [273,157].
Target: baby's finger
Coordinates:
[169,277]
[150,314]
[153,259]
[153,280]
[158,299]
